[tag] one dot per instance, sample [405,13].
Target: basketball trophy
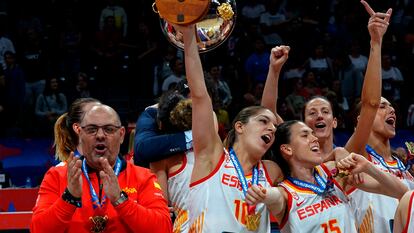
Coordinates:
[214,19]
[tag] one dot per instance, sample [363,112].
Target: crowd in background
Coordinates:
[53,52]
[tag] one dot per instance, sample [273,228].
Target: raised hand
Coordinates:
[184,28]
[74,175]
[278,56]
[378,22]
[109,180]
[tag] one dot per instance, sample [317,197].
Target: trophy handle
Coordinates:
[153,8]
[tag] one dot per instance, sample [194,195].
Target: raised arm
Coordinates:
[371,90]
[374,180]
[278,57]
[206,142]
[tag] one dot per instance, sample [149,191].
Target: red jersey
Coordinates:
[145,210]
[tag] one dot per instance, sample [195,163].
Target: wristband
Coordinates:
[69,198]
[121,199]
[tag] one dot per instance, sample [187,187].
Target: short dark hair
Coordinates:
[282,136]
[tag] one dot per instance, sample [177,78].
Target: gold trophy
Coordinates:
[214,19]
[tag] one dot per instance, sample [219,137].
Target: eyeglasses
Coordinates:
[107,129]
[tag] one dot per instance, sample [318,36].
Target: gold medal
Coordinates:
[253,221]
[98,223]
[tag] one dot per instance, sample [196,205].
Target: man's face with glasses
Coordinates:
[108,130]
[100,135]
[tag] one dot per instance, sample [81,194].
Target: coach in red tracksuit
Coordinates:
[100,192]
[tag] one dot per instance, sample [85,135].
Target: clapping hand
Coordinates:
[109,180]
[74,175]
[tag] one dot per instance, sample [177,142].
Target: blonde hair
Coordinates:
[64,142]
[180,116]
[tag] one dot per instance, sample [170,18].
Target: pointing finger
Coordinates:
[368,8]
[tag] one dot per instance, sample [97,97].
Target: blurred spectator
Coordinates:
[108,51]
[257,63]
[82,88]
[272,22]
[119,15]
[224,92]
[49,106]
[359,61]
[146,55]
[252,10]
[320,64]
[162,68]
[410,114]
[70,48]
[283,109]
[295,101]
[28,20]
[311,86]
[350,78]
[294,68]
[34,63]
[5,43]
[392,79]
[339,103]
[15,90]
[178,74]
[253,97]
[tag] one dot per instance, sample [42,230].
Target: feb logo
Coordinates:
[295,196]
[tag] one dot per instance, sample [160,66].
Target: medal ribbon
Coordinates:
[240,173]
[318,189]
[242,178]
[400,165]
[95,200]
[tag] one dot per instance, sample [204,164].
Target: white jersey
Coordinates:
[178,192]
[308,211]
[217,201]
[374,212]
[409,225]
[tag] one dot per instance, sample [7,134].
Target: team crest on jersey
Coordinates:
[295,196]
[262,176]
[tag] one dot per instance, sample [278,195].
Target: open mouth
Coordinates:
[266,138]
[390,121]
[320,125]
[100,149]
[315,148]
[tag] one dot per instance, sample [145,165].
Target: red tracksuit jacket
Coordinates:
[145,210]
